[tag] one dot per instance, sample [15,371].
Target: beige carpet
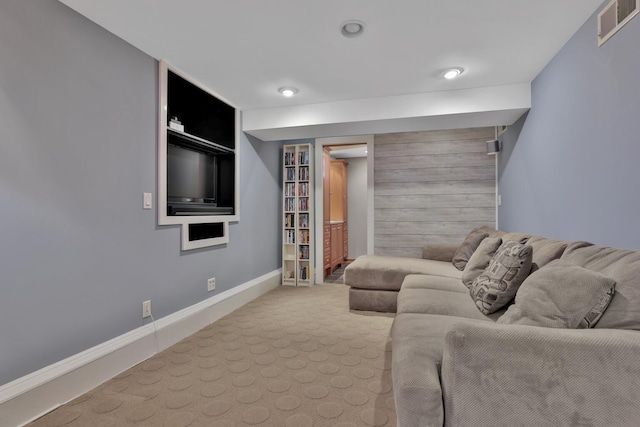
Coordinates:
[295,357]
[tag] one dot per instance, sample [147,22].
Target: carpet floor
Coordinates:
[295,357]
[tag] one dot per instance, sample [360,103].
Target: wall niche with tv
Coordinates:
[197,160]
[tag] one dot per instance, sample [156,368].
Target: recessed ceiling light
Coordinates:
[288,91]
[452,73]
[352,28]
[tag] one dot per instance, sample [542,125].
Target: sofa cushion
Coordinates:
[388,272]
[545,250]
[516,237]
[480,259]
[439,252]
[417,347]
[561,295]
[623,266]
[491,231]
[468,247]
[445,303]
[424,281]
[498,284]
[373,300]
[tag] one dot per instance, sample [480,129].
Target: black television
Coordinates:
[199,182]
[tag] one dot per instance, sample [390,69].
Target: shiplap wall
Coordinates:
[431,188]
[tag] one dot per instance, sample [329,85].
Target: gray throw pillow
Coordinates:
[480,259]
[468,247]
[561,295]
[499,282]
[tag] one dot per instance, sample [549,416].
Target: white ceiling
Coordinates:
[348,152]
[244,50]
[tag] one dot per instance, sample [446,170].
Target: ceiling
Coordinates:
[245,50]
[348,151]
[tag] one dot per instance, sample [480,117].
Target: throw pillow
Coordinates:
[545,250]
[480,259]
[499,282]
[561,295]
[468,247]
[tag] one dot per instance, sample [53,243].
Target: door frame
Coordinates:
[319,200]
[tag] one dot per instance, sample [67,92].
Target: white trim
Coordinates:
[203,243]
[319,218]
[163,218]
[31,396]
[446,109]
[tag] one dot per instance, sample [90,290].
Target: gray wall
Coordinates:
[570,167]
[357,206]
[431,188]
[78,253]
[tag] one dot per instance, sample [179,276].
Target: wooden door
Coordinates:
[326,215]
[337,190]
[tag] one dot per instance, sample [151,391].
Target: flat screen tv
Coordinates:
[199,182]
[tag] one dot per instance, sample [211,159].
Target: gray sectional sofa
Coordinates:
[520,365]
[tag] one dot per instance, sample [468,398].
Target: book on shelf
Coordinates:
[303,252]
[303,189]
[291,174]
[303,158]
[290,204]
[290,189]
[289,158]
[290,236]
[289,220]
[304,273]
[303,204]
[303,173]
[303,220]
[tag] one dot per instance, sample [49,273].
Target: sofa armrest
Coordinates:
[507,375]
[439,252]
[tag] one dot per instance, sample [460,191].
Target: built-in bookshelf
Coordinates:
[297,208]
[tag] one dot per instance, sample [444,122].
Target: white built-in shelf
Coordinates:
[297,207]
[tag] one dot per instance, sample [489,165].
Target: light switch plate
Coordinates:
[147,200]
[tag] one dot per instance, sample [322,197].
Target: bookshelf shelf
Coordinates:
[297,207]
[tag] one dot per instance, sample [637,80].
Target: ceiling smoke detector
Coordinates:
[352,28]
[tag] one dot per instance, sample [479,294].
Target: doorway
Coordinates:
[344,210]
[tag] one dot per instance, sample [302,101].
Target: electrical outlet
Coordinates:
[211,284]
[146,309]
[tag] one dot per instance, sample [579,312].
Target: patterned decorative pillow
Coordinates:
[480,259]
[561,295]
[499,282]
[468,247]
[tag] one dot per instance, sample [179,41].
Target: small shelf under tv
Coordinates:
[197,160]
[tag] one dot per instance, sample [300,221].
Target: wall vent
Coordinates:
[614,16]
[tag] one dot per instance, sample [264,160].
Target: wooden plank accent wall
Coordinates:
[431,188]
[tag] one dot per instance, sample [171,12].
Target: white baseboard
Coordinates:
[38,393]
